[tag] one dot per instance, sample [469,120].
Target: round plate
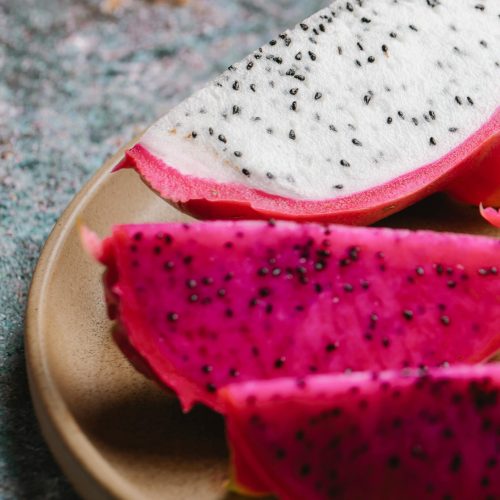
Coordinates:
[114,433]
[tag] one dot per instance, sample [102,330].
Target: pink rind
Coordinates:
[206,198]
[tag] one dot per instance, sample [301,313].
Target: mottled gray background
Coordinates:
[75,84]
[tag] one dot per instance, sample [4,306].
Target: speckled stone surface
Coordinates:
[75,84]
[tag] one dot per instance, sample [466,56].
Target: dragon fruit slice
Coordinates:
[203,305]
[357,112]
[381,436]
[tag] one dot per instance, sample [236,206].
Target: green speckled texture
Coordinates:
[75,84]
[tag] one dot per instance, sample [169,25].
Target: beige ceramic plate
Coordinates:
[115,434]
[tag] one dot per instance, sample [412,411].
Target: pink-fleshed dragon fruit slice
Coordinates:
[354,114]
[203,305]
[383,436]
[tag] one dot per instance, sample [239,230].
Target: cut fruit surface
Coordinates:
[381,436]
[355,113]
[202,305]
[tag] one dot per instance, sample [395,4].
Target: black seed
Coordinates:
[365,20]
[318,96]
[415,121]
[278,60]
[413,28]
[264,292]
[300,77]
[332,128]
[332,346]
[384,48]
[453,129]
[348,288]
[193,298]
[339,186]
[236,110]
[250,65]
[451,284]
[245,172]
[263,271]
[233,372]
[207,281]
[211,131]
[389,120]
[236,85]
[479,7]
[304,26]
[345,163]
[211,388]
[401,115]
[418,452]
[408,314]
[168,266]
[222,139]
[339,50]
[349,7]
[458,100]
[367,98]
[238,154]
[432,114]
[312,55]
[432,141]
[445,320]
[371,59]
[292,135]
[280,454]
[360,47]
[294,91]
[293,107]
[305,470]
[393,462]
[207,369]
[470,101]
[172,317]
[252,87]
[358,63]
[279,362]
[456,462]
[221,292]
[272,42]
[356,142]
[392,34]
[194,134]
[386,342]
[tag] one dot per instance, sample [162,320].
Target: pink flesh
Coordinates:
[491,215]
[316,313]
[209,199]
[388,437]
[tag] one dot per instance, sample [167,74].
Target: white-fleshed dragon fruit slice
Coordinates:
[357,112]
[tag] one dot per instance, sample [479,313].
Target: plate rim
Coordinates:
[85,468]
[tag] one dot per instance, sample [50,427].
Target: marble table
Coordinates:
[77,82]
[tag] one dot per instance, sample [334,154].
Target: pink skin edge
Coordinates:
[491,215]
[131,336]
[209,199]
